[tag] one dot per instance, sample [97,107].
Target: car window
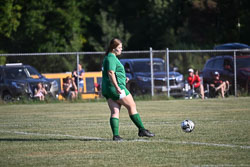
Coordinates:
[210,64]
[218,64]
[127,68]
[145,66]
[33,72]
[16,73]
[243,62]
[228,64]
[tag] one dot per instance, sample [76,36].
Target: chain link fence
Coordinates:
[151,72]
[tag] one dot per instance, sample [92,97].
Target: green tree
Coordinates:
[147,22]
[88,25]
[104,26]
[49,26]
[9,21]
[9,17]
[243,24]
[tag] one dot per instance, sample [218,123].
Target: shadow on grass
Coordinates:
[68,139]
[44,140]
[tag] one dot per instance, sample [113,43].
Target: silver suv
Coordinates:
[138,72]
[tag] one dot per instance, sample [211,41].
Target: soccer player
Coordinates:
[114,90]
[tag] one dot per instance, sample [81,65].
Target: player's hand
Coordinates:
[127,79]
[118,90]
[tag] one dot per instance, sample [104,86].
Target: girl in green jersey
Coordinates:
[114,90]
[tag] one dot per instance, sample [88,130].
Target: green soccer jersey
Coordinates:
[112,63]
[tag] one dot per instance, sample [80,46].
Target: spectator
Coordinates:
[98,88]
[217,85]
[195,82]
[69,88]
[40,92]
[80,75]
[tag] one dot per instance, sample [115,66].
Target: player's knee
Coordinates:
[115,113]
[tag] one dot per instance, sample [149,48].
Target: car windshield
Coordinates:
[17,73]
[243,62]
[33,72]
[144,66]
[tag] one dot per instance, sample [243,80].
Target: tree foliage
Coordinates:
[9,17]
[88,25]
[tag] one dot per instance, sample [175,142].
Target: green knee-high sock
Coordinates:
[137,121]
[114,123]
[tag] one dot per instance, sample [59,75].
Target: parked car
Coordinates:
[232,46]
[138,71]
[225,66]
[18,80]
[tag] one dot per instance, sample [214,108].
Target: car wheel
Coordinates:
[7,97]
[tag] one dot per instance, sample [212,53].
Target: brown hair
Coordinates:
[113,44]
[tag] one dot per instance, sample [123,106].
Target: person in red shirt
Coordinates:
[218,84]
[195,82]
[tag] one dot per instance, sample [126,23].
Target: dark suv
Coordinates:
[17,80]
[138,71]
[224,65]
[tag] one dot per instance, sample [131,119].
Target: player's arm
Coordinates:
[127,79]
[113,80]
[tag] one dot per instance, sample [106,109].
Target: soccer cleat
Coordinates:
[117,138]
[146,133]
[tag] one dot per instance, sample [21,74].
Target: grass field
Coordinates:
[78,134]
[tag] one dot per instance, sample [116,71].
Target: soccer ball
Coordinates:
[187,126]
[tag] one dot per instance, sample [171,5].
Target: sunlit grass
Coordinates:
[78,134]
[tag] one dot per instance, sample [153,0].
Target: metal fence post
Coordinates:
[152,71]
[235,75]
[167,64]
[77,62]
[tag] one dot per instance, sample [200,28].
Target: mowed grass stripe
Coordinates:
[87,138]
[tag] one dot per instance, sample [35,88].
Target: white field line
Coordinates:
[135,140]
[52,135]
[222,165]
[210,144]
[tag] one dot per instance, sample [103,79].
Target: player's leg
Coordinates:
[129,103]
[114,118]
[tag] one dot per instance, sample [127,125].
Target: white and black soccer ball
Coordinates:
[187,126]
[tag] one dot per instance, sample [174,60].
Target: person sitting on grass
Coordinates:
[40,92]
[69,89]
[195,82]
[217,85]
